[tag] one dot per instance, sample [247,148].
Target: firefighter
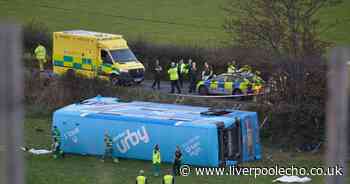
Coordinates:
[108,148]
[156,160]
[157,74]
[193,73]
[177,161]
[168,179]
[56,146]
[40,54]
[207,72]
[174,77]
[181,69]
[231,67]
[141,179]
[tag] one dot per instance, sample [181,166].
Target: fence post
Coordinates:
[11,113]
[337,117]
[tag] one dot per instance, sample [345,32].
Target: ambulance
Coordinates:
[93,54]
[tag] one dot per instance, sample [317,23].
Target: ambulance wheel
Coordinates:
[203,90]
[238,92]
[70,73]
[114,80]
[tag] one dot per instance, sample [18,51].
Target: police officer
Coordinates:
[181,69]
[245,69]
[168,179]
[193,73]
[108,148]
[141,179]
[56,147]
[40,54]
[231,67]
[156,160]
[177,161]
[174,77]
[207,72]
[157,74]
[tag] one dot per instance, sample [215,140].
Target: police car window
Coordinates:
[105,57]
[219,78]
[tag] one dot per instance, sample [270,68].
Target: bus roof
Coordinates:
[159,112]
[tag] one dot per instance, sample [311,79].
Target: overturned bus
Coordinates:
[207,137]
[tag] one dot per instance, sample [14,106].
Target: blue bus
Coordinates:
[207,137]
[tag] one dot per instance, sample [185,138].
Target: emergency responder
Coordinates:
[231,67]
[257,82]
[168,179]
[40,54]
[108,148]
[156,160]
[141,179]
[193,73]
[177,161]
[174,77]
[56,146]
[207,72]
[157,74]
[245,69]
[181,69]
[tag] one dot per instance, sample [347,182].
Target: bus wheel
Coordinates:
[114,80]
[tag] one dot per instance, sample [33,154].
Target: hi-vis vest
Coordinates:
[40,52]
[173,73]
[141,180]
[231,69]
[168,179]
[156,157]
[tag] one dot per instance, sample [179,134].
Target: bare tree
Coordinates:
[284,27]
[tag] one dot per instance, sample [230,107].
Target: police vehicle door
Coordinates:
[221,80]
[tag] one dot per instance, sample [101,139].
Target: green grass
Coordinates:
[188,21]
[87,169]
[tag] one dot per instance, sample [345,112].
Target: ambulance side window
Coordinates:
[105,57]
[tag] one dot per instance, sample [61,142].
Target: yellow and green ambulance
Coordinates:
[93,54]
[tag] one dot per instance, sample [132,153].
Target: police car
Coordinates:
[229,84]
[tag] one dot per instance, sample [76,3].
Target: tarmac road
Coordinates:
[165,87]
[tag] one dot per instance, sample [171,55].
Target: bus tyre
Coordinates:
[238,92]
[114,80]
[203,90]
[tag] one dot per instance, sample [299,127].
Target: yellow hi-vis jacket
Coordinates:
[156,157]
[183,68]
[173,74]
[231,69]
[40,52]
[168,179]
[140,180]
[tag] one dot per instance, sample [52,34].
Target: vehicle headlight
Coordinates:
[124,70]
